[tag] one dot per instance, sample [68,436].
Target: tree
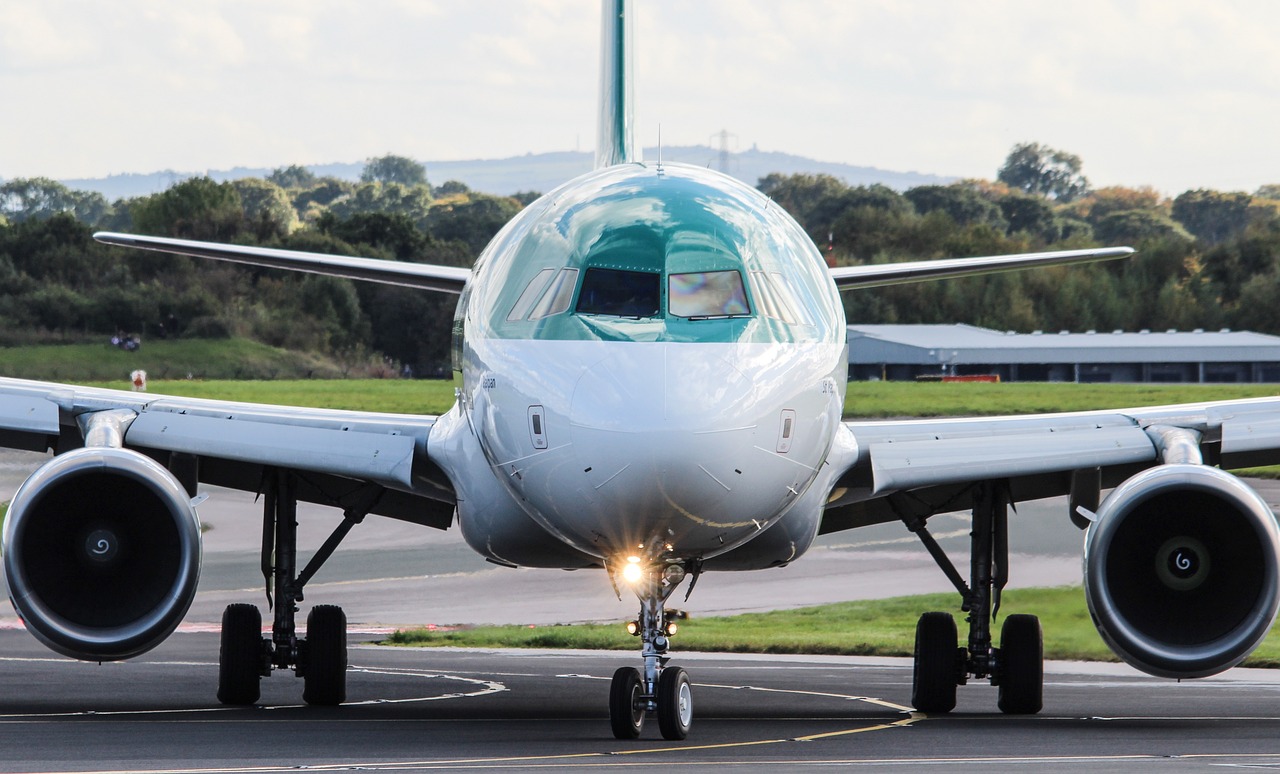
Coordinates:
[40,197]
[1213,217]
[198,208]
[963,204]
[450,188]
[268,212]
[383,231]
[1128,227]
[1043,171]
[414,202]
[1268,191]
[1100,203]
[1030,215]
[292,176]
[473,221]
[394,169]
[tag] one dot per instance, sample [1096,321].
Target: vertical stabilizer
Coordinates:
[615,132]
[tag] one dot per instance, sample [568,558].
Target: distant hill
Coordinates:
[537,171]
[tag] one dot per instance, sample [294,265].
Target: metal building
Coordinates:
[899,352]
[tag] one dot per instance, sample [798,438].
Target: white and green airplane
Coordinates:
[650,363]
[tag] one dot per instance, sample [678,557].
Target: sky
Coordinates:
[1175,94]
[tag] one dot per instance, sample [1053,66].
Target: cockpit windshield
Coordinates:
[706,294]
[620,293]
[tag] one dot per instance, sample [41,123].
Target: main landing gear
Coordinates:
[659,689]
[1016,668]
[319,657]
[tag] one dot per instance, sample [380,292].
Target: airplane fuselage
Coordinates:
[652,359]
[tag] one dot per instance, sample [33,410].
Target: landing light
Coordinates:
[632,572]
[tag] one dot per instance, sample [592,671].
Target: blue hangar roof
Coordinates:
[931,344]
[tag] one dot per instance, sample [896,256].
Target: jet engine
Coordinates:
[101,553]
[1181,570]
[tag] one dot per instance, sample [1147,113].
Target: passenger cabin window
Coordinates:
[620,293]
[707,294]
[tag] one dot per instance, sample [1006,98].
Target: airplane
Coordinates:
[650,365]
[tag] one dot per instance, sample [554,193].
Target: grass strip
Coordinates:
[883,627]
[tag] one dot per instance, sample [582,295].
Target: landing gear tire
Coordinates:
[675,703]
[626,712]
[1021,666]
[325,672]
[933,684]
[240,655]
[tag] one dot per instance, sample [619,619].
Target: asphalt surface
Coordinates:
[421,710]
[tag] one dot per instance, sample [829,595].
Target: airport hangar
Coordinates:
[909,352]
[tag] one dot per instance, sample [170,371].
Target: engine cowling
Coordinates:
[1181,570]
[101,553]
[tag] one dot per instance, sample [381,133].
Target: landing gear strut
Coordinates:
[1017,667]
[658,689]
[319,657]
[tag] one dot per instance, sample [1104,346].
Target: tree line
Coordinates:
[1207,259]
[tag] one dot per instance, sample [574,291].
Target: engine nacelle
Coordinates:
[1181,570]
[101,553]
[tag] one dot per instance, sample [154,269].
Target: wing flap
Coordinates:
[932,462]
[27,421]
[1247,442]
[383,458]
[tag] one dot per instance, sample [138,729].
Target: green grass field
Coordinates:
[863,400]
[163,359]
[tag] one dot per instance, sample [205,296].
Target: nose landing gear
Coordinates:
[658,689]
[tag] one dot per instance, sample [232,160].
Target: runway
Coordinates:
[426,710]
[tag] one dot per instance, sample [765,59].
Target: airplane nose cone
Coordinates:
[659,389]
[667,443]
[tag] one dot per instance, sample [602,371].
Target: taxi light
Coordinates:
[671,628]
[633,628]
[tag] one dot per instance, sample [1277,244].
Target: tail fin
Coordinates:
[615,132]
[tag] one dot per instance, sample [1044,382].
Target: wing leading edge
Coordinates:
[446,279]
[881,274]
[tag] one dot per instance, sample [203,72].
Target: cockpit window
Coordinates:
[776,298]
[707,294]
[557,297]
[620,293]
[530,295]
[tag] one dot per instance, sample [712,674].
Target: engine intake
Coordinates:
[1181,570]
[101,553]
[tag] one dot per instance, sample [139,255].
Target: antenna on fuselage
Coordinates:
[615,132]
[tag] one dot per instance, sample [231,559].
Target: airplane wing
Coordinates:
[917,466]
[447,279]
[881,274]
[382,457]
